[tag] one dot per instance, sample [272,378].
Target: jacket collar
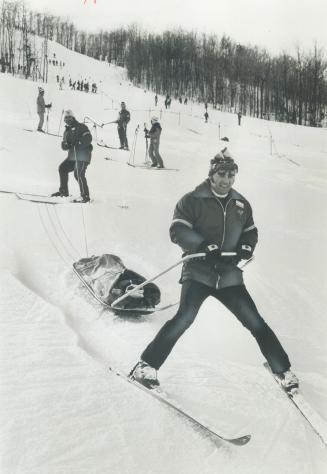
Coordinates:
[203,190]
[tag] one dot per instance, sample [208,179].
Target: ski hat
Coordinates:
[222,161]
[154,119]
[69,113]
[41,89]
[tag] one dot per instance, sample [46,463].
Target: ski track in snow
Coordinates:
[61,410]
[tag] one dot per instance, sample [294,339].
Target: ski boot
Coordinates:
[289,380]
[144,374]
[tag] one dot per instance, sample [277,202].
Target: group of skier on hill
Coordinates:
[77,140]
[210,221]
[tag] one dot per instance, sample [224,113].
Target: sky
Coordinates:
[277,25]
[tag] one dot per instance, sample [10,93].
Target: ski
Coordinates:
[153,168]
[5,191]
[47,199]
[317,423]
[44,133]
[41,199]
[237,441]
[104,145]
[134,311]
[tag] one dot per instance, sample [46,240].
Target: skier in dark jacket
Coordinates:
[154,135]
[41,106]
[212,219]
[122,121]
[77,141]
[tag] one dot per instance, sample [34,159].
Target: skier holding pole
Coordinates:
[154,135]
[122,121]
[41,106]
[77,142]
[214,219]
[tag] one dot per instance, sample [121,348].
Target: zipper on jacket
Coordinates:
[224,231]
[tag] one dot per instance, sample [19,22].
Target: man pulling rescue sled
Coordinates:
[107,279]
[213,219]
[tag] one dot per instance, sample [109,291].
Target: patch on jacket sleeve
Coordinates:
[239,204]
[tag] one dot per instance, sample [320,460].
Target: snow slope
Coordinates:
[61,411]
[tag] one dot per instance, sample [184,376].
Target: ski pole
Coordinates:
[107,123]
[182,260]
[146,160]
[62,113]
[47,126]
[132,153]
[89,119]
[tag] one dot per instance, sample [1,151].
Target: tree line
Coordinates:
[205,68]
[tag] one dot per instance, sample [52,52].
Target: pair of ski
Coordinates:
[44,199]
[38,198]
[43,132]
[318,425]
[104,145]
[152,168]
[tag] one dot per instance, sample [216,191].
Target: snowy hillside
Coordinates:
[61,410]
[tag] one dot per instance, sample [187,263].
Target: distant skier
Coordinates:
[77,141]
[206,116]
[154,135]
[239,117]
[214,218]
[156,100]
[41,106]
[122,121]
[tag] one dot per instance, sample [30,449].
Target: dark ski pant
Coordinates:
[41,120]
[79,168]
[154,154]
[238,301]
[122,136]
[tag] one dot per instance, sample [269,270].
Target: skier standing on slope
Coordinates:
[154,135]
[41,106]
[123,118]
[77,141]
[214,218]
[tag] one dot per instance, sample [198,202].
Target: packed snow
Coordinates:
[61,409]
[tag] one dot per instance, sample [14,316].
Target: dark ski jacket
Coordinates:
[200,216]
[155,132]
[123,118]
[40,104]
[77,140]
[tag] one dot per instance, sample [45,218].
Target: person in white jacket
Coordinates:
[41,106]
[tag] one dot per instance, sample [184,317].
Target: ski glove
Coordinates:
[65,145]
[244,252]
[211,250]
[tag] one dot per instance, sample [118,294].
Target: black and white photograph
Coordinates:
[163,195]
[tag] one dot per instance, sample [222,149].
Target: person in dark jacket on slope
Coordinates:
[154,135]
[77,141]
[123,118]
[212,219]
